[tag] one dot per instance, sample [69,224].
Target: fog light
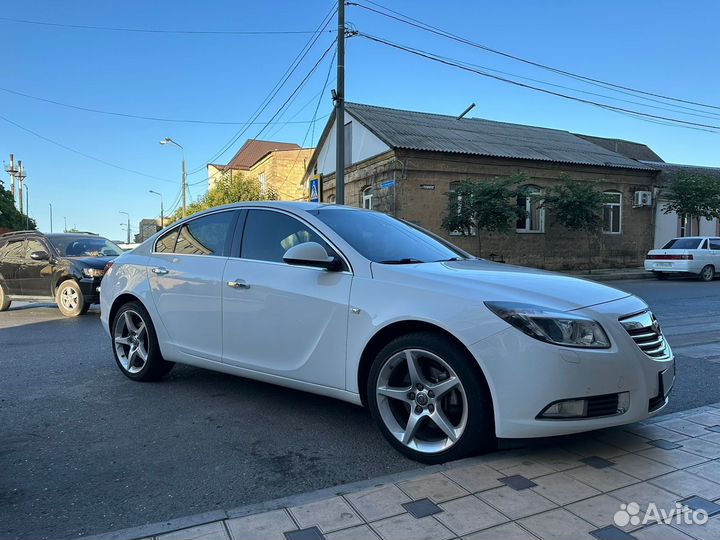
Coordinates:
[572,408]
[623,402]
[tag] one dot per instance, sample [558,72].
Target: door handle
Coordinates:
[238,284]
[160,271]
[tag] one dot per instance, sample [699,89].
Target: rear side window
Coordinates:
[207,235]
[715,244]
[13,250]
[704,245]
[166,243]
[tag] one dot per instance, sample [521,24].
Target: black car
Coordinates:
[65,268]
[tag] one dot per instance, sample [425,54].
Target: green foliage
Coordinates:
[10,217]
[575,205]
[693,195]
[231,187]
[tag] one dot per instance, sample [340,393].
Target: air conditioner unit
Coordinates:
[642,198]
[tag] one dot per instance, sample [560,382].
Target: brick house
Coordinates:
[405,163]
[276,165]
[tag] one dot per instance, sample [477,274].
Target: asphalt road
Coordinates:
[84,450]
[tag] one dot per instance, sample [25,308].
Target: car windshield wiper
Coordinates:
[407,260]
[451,259]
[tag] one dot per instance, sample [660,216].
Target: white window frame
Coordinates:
[614,207]
[532,190]
[367,197]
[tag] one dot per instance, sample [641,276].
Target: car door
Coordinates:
[11,259]
[283,319]
[35,276]
[185,274]
[701,255]
[714,253]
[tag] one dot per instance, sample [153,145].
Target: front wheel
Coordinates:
[428,400]
[707,273]
[70,299]
[135,344]
[4,300]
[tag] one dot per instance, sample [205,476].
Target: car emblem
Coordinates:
[655,324]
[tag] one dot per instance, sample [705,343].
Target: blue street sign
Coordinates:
[387,184]
[315,189]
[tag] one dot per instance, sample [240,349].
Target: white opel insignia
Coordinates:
[447,351]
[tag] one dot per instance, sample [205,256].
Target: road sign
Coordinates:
[315,188]
[387,184]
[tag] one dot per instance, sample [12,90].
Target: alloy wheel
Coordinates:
[707,273]
[69,298]
[421,401]
[130,339]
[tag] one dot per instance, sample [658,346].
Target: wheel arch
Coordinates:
[120,301]
[399,328]
[60,280]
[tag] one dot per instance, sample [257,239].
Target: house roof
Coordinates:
[253,151]
[669,171]
[475,136]
[629,149]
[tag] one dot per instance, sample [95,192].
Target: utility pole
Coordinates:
[184,184]
[27,208]
[128,225]
[340,108]
[51,223]
[21,176]
[65,218]
[162,209]
[12,171]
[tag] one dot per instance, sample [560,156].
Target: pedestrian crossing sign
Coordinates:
[315,189]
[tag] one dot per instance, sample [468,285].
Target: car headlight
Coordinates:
[556,327]
[93,272]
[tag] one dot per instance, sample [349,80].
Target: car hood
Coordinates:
[488,281]
[92,262]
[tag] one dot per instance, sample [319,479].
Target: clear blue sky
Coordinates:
[660,46]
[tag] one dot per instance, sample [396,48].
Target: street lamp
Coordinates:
[27,206]
[162,210]
[128,225]
[51,223]
[168,140]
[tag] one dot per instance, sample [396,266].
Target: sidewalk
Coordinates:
[596,485]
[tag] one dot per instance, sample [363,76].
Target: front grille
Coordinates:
[606,405]
[645,331]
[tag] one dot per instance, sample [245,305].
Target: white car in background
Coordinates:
[446,350]
[699,255]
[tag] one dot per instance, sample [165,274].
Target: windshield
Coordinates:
[682,243]
[384,239]
[85,246]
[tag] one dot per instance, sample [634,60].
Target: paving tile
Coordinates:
[653,432]
[675,458]
[622,439]
[310,533]
[557,459]
[604,480]
[660,532]
[329,515]
[506,458]
[715,428]
[209,531]
[265,526]
[405,526]
[702,448]
[469,514]
[685,484]
[644,494]
[588,446]
[528,469]
[378,503]
[516,504]
[517,482]
[701,503]
[362,532]
[711,436]
[597,462]
[641,467]
[683,426]
[706,419]
[508,531]
[665,444]
[708,531]
[563,489]
[558,524]
[611,532]
[709,470]
[598,510]
[475,478]
[422,508]
[435,487]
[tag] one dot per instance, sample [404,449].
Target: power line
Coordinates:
[136,116]
[406,19]
[88,156]
[276,89]
[158,30]
[435,58]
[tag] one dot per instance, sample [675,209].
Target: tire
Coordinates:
[661,275]
[4,300]
[70,299]
[464,408]
[707,273]
[132,335]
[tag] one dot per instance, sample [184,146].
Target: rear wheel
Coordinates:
[428,400]
[135,344]
[707,273]
[4,300]
[70,299]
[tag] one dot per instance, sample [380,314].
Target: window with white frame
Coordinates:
[688,226]
[367,197]
[263,183]
[534,220]
[612,213]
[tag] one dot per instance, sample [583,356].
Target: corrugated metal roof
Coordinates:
[253,151]
[440,133]
[670,171]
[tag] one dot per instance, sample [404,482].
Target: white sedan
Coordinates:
[447,351]
[698,255]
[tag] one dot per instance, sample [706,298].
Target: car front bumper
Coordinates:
[90,288]
[526,376]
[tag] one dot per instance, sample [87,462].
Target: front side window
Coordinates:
[32,246]
[612,213]
[268,235]
[534,220]
[84,246]
[367,198]
[715,244]
[206,235]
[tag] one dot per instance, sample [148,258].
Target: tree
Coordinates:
[488,205]
[10,217]
[230,187]
[693,195]
[577,206]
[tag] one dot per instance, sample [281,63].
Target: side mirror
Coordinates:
[40,256]
[311,254]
